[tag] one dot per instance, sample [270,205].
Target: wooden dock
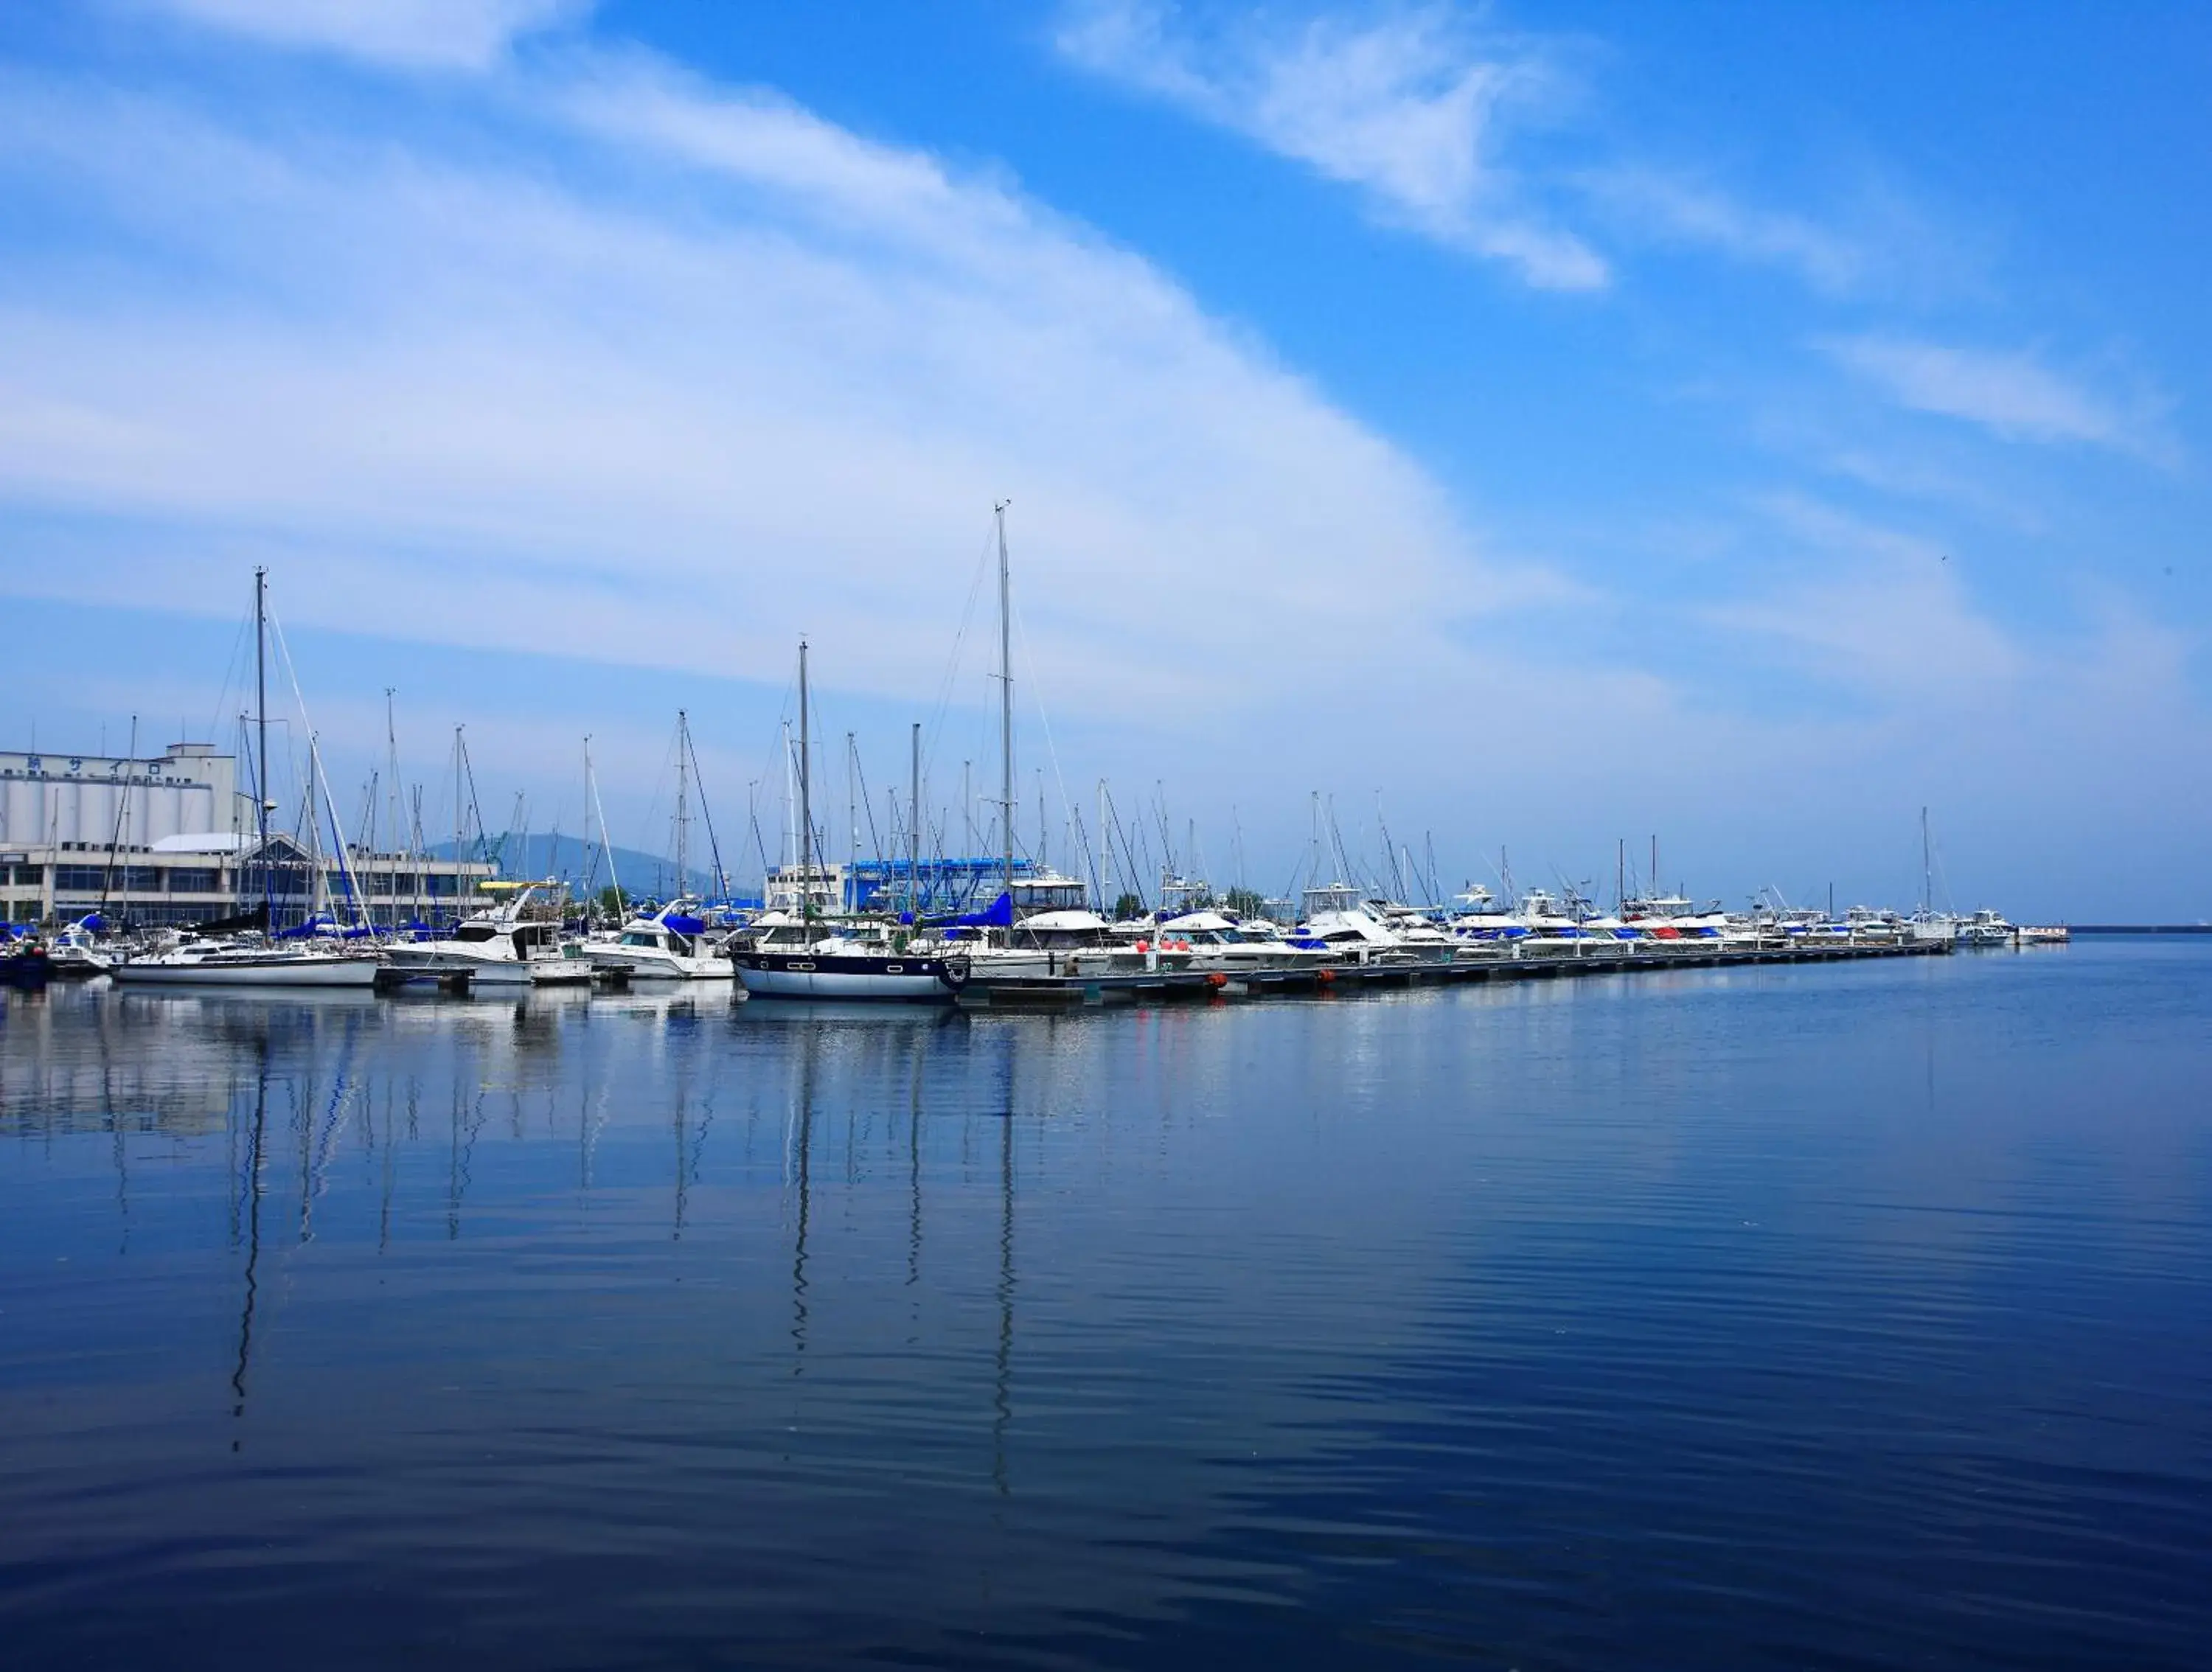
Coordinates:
[1200,986]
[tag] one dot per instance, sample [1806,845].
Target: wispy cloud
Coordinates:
[1679,208]
[444,34]
[2011,393]
[1408,107]
[1882,609]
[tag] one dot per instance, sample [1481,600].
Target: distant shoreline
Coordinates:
[2142,928]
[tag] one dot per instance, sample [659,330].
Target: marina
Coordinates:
[301,908]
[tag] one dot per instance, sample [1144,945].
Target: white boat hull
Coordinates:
[358,972]
[428,963]
[645,965]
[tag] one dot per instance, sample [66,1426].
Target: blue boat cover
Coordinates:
[998,915]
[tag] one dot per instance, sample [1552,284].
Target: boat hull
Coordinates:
[358,972]
[849,976]
[425,964]
[645,964]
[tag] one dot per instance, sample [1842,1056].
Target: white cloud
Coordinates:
[1404,108]
[2012,394]
[442,34]
[773,387]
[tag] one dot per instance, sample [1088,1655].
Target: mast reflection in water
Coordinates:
[1729,1317]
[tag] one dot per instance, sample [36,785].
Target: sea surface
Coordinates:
[1783,1317]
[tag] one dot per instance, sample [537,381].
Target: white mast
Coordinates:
[805,805]
[1006,700]
[682,802]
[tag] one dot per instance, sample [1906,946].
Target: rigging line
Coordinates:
[233,667]
[875,841]
[932,732]
[476,805]
[315,766]
[1037,691]
[647,842]
[714,848]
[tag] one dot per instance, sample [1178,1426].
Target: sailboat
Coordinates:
[835,966]
[202,962]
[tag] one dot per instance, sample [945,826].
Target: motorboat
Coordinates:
[672,943]
[24,964]
[517,943]
[1216,940]
[1987,929]
[76,955]
[1071,941]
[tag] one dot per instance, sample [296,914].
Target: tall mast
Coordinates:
[1927,870]
[852,797]
[806,805]
[261,713]
[1006,700]
[457,813]
[914,823]
[393,801]
[592,806]
[682,802]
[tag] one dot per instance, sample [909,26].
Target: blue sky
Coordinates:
[1748,424]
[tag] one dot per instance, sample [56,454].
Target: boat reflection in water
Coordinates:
[677,1327]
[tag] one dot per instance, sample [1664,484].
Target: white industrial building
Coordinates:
[172,839]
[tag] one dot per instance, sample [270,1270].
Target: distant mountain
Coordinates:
[579,863]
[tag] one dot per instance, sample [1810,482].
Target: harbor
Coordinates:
[200,885]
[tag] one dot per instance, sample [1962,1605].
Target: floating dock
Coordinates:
[1171,985]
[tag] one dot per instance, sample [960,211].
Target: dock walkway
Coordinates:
[1169,986]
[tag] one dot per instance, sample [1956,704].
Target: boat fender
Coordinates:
[1216,981]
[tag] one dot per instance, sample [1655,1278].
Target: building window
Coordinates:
[80,878]
[195,882]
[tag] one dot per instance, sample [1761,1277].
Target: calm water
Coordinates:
[1793,1317]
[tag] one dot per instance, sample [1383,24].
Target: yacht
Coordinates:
[196,961]
[75,953]
[842,967]
[772,962]
[1216,940]
[674,944]
[516,943]
[1985,928]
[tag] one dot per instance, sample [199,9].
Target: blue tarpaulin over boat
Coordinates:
[685,923]
[998,915]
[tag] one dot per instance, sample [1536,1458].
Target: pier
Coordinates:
[1194,986]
